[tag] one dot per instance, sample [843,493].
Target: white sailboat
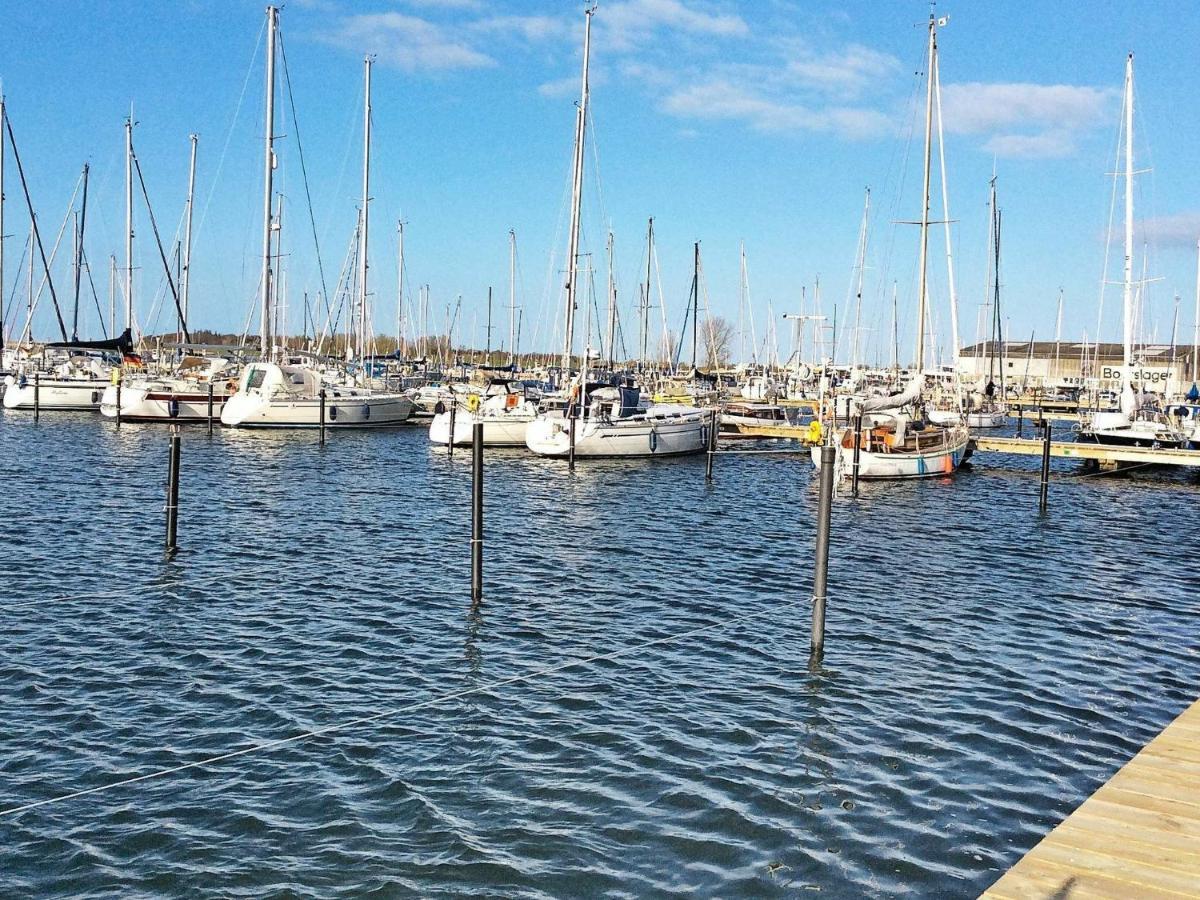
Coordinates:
[270,395]
[1138,422]
[606,420]
[896,440]
[502,409]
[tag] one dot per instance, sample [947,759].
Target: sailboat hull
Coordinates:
[507,430]
[161,404]
[937,462]
[363,411]
[54,393]
[671,434]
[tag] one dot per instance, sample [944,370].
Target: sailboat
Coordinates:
[606,419]
[989,413]
[1139,422]
[896,440]
[271,395]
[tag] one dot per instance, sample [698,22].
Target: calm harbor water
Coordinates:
[986,669]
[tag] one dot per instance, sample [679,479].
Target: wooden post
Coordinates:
[210,408]
[821,561]
[858,423]
[476,511]
[321,394]
[173,492]
[1045,488]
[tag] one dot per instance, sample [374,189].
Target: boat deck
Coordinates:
[1137,836]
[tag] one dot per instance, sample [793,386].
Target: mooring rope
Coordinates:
[415,707]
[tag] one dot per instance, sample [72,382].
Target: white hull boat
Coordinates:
[504,414]
[890,451]
[271,396]
[163,401]
[614,426]
[53,393]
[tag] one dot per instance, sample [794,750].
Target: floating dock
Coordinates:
[1099,453]
[1137,836]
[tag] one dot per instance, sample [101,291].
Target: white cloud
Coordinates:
[1029,121]
[1175,230]
[978,108]
[530,28]
[724,100]
[447,4]
[407,42]
[848,71]
[631,22]
[560,87]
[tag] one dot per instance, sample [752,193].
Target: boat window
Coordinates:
[256,378]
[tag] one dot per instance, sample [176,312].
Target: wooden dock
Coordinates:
[1137,836]
[1101,453]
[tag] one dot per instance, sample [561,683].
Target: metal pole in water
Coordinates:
[322,396]
[821,567]
[1042,500]
[37,394]
[120,378]
[453,418]
[857,452]
[476,512]
[571,446]
[712,447]
[173,492]
[1020,419]
[210,408]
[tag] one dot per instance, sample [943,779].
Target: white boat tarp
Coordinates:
[893,401]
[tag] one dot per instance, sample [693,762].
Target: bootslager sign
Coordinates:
[1151,378]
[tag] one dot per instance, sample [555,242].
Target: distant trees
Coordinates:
[716,336]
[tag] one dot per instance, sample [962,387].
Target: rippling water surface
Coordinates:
[986,669]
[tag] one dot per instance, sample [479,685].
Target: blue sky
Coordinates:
[727,121]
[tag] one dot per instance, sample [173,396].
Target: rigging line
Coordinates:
[95,296]
[137,163]
[387,714]
[287,78]
[229,134]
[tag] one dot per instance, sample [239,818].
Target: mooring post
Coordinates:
[712,446]
[321,395]
[120,379]
[571,445]
[821,563]
[1020,419]
[476,512]
[453,419]
[210,408]
[858,423]
[173,492]
[37,394]
[1045,490]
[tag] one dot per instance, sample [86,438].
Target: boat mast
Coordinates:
[1128,293]
[1058,333]
[862,264]
[612,306]
[996,287]
[577,194]
[1196,322]
[646,293]
[3,116]
[512,296]
[695,301]
[186,278]
[937,82]
[365,217]
[268,186]
[400,287]
[922,283]
[129,219]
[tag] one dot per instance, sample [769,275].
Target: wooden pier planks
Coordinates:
[1081,450]
[1137,836]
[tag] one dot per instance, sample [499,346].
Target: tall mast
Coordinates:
[75,248]
[3,115]
[695,301]
[1058,331]
[577,194]
[612,306]
[1196,322]
[366,199]
[400,287]
[488,339]
[112,294]
[922,282]
[512,296]
[129,219]
[646,294]
[996,309]
[862,265]
[937,79]
[1128,294]
[268,186]
[186,278]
